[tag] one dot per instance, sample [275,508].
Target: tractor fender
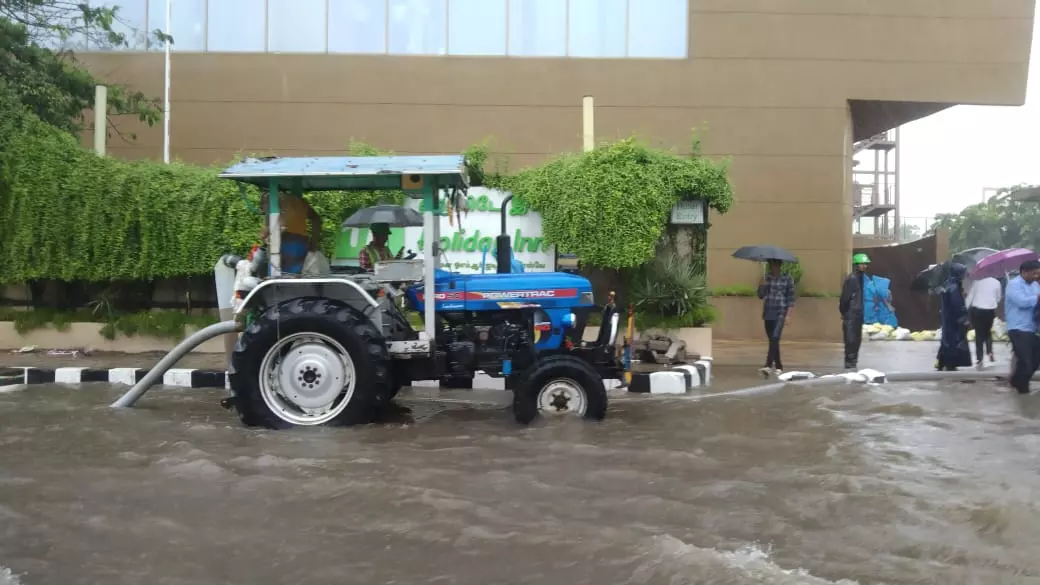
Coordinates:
[278,290]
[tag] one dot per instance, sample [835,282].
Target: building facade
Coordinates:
[784,88]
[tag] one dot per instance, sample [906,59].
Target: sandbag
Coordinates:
[316,263]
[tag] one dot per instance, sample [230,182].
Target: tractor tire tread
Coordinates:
[339,321]
[525,397]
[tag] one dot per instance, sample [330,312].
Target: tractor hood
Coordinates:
[492,292]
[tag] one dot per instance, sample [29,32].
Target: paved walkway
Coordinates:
[886,356]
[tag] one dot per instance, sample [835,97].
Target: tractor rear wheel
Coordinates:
[309,362]
[560,385]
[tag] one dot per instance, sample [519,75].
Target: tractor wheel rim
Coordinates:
[307,379]
[562,396]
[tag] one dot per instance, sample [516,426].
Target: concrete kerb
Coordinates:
[676,380]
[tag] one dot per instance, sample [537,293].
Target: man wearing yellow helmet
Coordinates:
[851,308]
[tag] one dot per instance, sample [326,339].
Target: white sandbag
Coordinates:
[873,376]
[791,376]
[316,263]
[901,334]
[999,329]
[879,336]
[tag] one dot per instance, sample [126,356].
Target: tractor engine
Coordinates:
[484,341]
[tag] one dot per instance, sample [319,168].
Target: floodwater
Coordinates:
[897,484]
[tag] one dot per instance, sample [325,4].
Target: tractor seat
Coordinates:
[608,328]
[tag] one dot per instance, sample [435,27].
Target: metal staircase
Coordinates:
[875,190]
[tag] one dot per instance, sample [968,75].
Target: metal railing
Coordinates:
[908,229]
[865,194]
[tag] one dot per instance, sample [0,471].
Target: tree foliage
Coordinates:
[999,223]
[52,83]
[610,205]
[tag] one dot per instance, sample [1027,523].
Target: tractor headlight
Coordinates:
[587,298]
[569,321]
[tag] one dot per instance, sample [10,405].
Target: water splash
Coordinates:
[677,561]
[8,577]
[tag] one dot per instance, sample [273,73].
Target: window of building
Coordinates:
[187,23]
[596,28]
[130,21]
[357,26]
[239,26]
[538,28]
[418,27]
[477,27]
[296,26]
[658,28]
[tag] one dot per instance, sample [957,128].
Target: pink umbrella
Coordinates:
[999,264]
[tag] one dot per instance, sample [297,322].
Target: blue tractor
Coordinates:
[333,348]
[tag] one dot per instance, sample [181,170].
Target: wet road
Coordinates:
[898,484]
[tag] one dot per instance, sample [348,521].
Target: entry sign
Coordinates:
[690,212]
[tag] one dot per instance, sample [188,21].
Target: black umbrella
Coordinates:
[763,253]
[970,257]
[932,278]
[392,215]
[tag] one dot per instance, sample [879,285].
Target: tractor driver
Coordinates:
[377,250]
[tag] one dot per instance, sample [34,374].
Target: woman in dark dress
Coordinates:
[953,348]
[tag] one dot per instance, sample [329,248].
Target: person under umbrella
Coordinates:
[377,250]
[1020,306]
[850,305]
[983,300]
[776,290]
[953,347]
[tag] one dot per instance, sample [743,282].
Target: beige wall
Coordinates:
[767,83]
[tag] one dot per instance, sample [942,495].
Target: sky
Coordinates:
[947,159]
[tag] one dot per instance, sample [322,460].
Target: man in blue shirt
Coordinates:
[1020,305]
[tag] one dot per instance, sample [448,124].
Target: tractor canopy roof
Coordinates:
[343,173]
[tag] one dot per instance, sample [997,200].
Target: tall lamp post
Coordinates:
[166,88]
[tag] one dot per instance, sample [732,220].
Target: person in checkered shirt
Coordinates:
[776,290]
[377,250]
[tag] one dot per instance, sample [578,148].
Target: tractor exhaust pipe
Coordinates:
[503,245]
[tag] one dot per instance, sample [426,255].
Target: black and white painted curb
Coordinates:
[179,377]
[677,380]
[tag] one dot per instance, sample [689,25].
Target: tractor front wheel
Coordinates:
[560,385]
[309,362]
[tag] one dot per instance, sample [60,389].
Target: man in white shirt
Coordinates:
[983,299]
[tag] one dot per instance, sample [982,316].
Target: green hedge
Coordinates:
[69,214]
[610,205]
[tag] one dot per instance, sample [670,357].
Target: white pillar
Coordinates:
[100,119]
[588,124]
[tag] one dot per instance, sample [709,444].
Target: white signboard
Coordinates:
[463,244]
[688,212]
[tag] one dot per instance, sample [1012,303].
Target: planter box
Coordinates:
[86,335]
[698,339]
[740,318]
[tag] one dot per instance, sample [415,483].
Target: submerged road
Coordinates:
[898,484]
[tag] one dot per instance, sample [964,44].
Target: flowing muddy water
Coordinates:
[897,484]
